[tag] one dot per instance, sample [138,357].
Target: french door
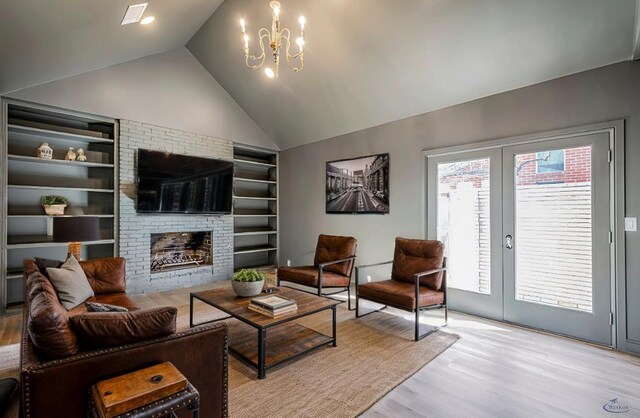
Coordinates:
[465,213]
[527,233]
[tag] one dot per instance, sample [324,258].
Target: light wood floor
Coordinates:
[494,370]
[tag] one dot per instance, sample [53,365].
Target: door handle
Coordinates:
[508,242]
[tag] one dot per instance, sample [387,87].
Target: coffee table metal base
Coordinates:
[276,344]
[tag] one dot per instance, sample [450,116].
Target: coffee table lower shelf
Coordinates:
[282,343]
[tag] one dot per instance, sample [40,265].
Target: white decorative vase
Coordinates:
[45,152]
[247,289]
[54,210]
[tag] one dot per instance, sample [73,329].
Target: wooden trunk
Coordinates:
[124,393]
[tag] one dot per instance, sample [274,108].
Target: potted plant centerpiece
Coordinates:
[247,282]
[53,205]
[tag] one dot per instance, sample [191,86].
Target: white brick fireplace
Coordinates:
[136,229]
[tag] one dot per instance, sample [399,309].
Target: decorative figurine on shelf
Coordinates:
[45,152]
[71,156]
[81,156]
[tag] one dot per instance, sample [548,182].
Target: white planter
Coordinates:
[247,289]
[54,210]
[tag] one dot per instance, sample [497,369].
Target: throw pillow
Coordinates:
[104,307]
[44,263]
[109,329]
[70,283]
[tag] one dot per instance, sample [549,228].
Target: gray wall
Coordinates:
[171,89]
[599,95]
[135,229]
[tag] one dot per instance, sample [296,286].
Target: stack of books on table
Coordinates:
[273,306]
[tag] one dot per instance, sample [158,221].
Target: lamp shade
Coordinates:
[71,229]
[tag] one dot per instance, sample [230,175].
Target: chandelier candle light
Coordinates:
[275,38]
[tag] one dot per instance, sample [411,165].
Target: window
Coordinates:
[550,161]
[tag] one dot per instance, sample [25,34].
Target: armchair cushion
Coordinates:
[118,299]
[308,276]
[47,320]
[109,329]
[399,294]
[415,256]
[106,275]
[332,248]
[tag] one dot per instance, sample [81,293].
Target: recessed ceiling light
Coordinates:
[269,72]
[133,13]
[147,20]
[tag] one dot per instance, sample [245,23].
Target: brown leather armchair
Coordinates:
[57,373]
[332,267]
[418,281]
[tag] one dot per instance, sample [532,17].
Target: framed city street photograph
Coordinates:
[358,185]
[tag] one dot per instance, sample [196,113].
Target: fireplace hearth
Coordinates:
[180,250]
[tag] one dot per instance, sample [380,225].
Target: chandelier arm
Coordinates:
[292,58]
[249,57]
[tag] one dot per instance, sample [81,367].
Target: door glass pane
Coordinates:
[463,223]
[553,228]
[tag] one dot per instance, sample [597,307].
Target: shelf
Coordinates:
[248,180]
[78,189]
[48,133]
[257,215]
[13,274]
[254,231]
[260,267]
[14,308]
[253,249]
[38,241]
[59,216]
[91,185]
[254,198]
[254,163]
[24,158]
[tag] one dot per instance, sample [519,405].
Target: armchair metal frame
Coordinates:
[319,292]
[417,308]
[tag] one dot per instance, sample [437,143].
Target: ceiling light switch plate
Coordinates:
[631,224]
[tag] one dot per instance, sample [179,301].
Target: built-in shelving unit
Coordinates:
[255,197]
[89,186]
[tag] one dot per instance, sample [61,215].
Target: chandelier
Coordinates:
[276,39]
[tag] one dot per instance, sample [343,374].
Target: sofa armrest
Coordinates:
[106,275]
[60,387]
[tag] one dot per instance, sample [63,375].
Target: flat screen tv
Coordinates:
[173,183]
[358,185]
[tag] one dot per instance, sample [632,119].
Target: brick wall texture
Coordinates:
[135,229]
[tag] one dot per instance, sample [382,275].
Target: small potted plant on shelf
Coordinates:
[247,282]
[53,205]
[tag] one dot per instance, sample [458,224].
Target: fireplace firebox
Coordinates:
[180,250]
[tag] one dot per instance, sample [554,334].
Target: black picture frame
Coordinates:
[358,185]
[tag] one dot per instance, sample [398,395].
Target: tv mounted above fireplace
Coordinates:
[173,183]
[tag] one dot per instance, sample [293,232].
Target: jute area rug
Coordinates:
[374,354]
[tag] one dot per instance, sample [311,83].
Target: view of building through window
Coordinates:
[553,208]
[463,223]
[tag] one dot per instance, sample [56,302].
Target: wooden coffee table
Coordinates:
[279,339]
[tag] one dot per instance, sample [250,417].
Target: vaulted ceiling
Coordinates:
[367,62]
[45,40]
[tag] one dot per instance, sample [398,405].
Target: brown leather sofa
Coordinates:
[56,377]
